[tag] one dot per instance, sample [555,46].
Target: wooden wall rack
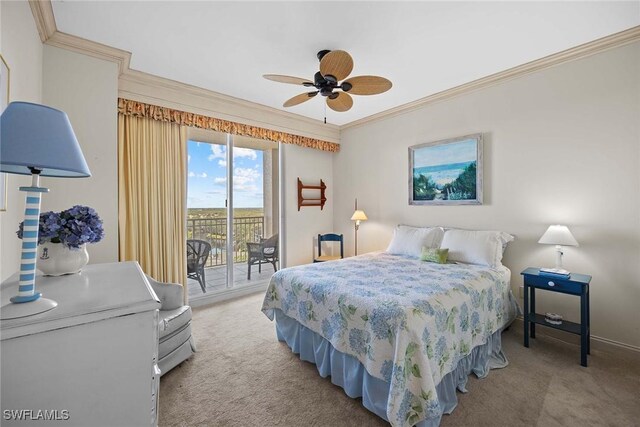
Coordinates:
[306,201]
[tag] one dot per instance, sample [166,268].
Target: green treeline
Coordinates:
[462,188]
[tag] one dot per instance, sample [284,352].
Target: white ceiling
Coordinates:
[422,47]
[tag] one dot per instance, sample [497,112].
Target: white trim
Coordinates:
[600,45]
[230,217]
[90,48]
[227,294]
[561,336]
[607,341]
[144,87]
[45,20]
[207,103]
[282,226]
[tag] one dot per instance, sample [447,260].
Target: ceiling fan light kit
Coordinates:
[335,66]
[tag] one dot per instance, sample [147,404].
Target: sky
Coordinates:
[458,152]
[207,176]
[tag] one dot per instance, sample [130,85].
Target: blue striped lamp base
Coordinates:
[18,299]
[29,302]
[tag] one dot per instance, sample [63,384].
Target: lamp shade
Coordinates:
[359,215]
[40,137]
[558,235]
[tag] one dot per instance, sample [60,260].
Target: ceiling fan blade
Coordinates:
[343,102]
[336,63]
[368,85]
[299,99]
[287,79]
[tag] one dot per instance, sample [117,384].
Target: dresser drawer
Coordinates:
[560,285]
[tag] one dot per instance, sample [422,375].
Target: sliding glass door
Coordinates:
[207,214]
[255,210]
[233,206]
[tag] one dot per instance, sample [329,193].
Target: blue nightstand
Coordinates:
[576,284]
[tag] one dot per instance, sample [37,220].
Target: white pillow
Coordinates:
[410,240]
[476,247]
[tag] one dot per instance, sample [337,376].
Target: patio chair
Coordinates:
[197,254]
[263,252]
[329,238]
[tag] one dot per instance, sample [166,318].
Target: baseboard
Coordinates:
[227,294]
[596,341]
[607,341]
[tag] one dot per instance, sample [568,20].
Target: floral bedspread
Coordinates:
[407,321]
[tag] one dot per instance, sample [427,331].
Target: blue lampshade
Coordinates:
[40,137]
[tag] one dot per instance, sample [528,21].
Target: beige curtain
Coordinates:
[152,186]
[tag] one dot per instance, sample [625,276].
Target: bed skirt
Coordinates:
[347,372]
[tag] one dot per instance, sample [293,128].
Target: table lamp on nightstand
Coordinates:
[560,236]
[38,141]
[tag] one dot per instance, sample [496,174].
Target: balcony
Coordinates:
[216,278]
[214,231]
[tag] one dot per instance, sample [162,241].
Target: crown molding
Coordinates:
[145,87]
[49,34]
[141,86]
[45,20]
[600,45]
[42,11]
[90,48]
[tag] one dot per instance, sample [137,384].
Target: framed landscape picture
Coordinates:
[447,172]
[4,101]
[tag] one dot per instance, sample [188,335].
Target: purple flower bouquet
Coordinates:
[72,227]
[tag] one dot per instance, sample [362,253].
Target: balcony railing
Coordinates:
[214,231]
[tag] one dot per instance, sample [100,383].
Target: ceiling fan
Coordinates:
[335,65]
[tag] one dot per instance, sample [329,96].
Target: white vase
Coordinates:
[56,259]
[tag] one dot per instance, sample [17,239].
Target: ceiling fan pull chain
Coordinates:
[325,113]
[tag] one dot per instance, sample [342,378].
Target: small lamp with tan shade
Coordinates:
[358,215]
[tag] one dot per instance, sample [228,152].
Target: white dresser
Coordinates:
[92,359]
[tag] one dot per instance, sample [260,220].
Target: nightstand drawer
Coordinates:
[560,285]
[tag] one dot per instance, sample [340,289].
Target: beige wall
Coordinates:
[86,89]
[22,49]
[301,227]
[561,146]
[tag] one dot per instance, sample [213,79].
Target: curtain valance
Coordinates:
[140,109]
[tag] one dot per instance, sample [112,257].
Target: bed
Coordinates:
[401,333]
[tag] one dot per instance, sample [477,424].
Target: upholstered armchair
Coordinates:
[176,343]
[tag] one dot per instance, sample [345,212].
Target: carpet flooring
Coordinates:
[242,376]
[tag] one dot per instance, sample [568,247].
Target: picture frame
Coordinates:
[5,74]
[447,172]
